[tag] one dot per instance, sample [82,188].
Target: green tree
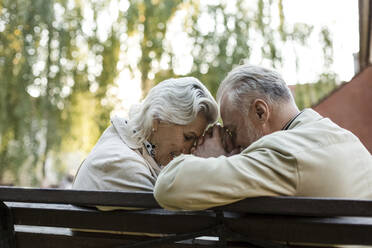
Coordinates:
[60,59]
[150,18]
[44,72]
[306,95]
[231,37]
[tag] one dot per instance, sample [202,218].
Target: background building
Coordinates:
[350,106]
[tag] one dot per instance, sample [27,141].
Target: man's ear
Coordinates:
[260,110]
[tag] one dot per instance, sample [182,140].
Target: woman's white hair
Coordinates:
[248,81]
[175,100]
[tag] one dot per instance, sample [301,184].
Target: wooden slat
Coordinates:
[365,16]
[145,221]
[261,205]
[302,206]
[78,197]
[62,238]
[336,230]
[6,227]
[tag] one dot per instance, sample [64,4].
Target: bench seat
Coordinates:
[61,218]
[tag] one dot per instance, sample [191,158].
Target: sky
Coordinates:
[340,16]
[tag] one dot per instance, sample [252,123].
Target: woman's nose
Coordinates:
[187,147]
[186,150]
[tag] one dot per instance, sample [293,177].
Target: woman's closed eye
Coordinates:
[189,138]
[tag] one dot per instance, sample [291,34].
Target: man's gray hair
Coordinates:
[177,101]
[246,82]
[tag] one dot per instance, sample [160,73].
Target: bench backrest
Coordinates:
[51,217]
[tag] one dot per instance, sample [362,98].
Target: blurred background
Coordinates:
[66,66]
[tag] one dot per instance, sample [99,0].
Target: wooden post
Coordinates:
[365,26]
[7,236]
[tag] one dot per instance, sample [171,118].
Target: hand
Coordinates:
[228,143]
[210,145]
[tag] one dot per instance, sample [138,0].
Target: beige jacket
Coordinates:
[117,163]
[314,157]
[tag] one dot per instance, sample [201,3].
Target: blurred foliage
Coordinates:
[306,95]
[231,38]
[150,18]
[60,59]
[45,79]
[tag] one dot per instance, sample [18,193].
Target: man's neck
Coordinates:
[283,114]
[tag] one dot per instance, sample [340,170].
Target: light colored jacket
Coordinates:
[117,163]
[314,157]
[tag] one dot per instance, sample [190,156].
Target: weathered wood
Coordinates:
[40,214]
[6,227]
[365,33]
[145,221]
[302,206]
[336,230]
[62,238]
[77,197]
[262,205]
[277,228]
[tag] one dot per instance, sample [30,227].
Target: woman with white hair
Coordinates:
[131,152]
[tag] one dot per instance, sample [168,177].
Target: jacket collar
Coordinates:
[122,128]
[306,116]
[125,133]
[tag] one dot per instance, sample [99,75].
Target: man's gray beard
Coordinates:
[254,134]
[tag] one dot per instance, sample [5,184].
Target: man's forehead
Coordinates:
[227,109]
[226,102]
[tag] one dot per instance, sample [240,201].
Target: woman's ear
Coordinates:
[155,125]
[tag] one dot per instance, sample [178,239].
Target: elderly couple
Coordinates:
[266,147]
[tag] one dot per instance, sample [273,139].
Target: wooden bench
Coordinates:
[46,217]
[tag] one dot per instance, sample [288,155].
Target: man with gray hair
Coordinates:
[266,148]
